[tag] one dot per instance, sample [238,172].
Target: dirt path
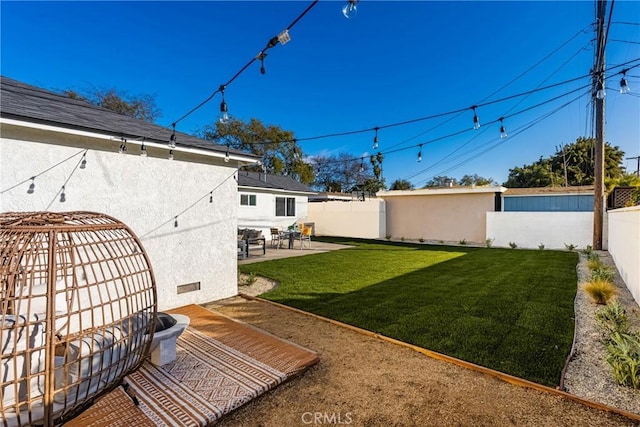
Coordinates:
[364,381]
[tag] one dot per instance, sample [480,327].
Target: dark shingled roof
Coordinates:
[20,101]
[278,182]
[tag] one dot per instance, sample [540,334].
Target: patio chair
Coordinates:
[305,234]
[276,238]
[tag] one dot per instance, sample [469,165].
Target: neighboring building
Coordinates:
[450,214]
[267,201]
[71,149]
[548,199]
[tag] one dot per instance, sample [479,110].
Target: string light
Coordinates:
[624,86]
[476,121]
[350,9]
[123,146]
[83,163]
[32,186]
[226,155]
[175,222]
[172,138]
[63,197]
[503,132]
[261,57]
[143,149]
[170,154]
[224,116]
[375,139]
[284,37]
[211,197]
[420,154]
[361,164]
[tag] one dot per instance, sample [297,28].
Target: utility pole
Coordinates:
[637,167]
[598,98]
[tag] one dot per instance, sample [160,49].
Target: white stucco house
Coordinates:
[266,201]
[60,154]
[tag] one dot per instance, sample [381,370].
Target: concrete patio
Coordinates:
[284,252]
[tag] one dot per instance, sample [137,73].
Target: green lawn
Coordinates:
[509,310]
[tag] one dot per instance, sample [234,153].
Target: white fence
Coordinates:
[363,219]
[554,230]
[624,246]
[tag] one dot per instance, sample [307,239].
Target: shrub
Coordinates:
[388,237]
[603,273]
[402,238]
[442,242]
[595,263]
[600,291]
[588,250]
[570,247]
[541,246]
[513,245]
[489,242]
[421,240]
[612,318]
[463,241]
[623,354]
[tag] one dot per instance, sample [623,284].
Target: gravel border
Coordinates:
[588,374]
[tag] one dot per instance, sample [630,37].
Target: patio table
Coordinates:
[291,235]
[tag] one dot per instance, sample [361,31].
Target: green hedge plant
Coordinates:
[612,318]
[623,354]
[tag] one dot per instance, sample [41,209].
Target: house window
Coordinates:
[285,206]
[247,200]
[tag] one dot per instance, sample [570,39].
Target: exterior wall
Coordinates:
[144,193]
[549,203]
[624,246]
[363,219]
[262,216]
[530,229]
[448,217]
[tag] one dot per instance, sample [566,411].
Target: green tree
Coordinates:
[401,184]
[477,180]
[338,173]
[441,181]
[275,146]
[142,107]
[571,165]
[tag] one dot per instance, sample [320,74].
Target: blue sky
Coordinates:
[395,61]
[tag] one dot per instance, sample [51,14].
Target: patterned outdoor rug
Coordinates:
[221,364]
[207,380]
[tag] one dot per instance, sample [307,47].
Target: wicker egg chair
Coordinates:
[78,312]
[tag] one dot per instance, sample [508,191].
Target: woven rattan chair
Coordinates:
[77,313]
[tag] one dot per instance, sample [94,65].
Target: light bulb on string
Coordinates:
[143,149]
[211,197]
[261,57]
[172,138]
[420,154]
[170,154]
[83,163]
[624,86]
[350,9]
[503,132]
[226,155]
[476,121]
[361,164]
[224,115]
[123,146]
[63,197]
[175,222]
[32,186]
[375,139]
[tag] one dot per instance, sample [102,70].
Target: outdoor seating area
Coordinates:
[250,239]
[297,232]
